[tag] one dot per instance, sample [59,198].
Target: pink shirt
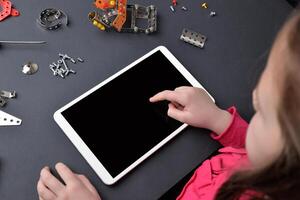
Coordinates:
[209,177]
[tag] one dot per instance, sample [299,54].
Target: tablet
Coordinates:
[114,125]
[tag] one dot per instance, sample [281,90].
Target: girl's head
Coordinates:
[276,100]
[273,138]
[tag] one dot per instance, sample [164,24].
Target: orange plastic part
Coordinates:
[119,22]
[121,18]
[105,4]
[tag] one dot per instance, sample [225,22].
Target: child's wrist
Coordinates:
[221,122]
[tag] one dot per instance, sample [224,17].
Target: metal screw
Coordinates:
[204,5]
[65,65]
[184,8]
[212,14]
[72,60]
[61,55]
[56,65]
[65,56]
[60,72]
[172,8]
[80,59]
[53,68]
[72,71]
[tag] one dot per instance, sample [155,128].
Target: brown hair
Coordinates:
[281,179]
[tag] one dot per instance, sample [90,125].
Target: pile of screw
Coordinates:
[174,4]
[5,95]
[60,68]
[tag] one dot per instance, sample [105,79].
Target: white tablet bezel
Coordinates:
[84,149]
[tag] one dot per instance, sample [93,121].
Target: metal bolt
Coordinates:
[67,72]
[53,68]
[212,14]
[72,60]
[184,8]
[65,65]
[72,71]
[204,5]
[80,59]
[56,65]
[60,73]
[65,56]
[172,8]
[61,55]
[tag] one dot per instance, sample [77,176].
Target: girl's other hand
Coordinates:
[76,187]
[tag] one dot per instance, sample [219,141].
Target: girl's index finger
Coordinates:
[166,95]
[66,173]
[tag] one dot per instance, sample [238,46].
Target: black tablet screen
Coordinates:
[118,123]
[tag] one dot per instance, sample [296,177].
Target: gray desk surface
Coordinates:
[237,38]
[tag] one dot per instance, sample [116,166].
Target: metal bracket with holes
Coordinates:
[193,38]
[9,120]
[8,94]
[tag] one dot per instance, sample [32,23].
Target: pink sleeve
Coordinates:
[235,134]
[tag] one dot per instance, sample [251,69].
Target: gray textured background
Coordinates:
[237,40]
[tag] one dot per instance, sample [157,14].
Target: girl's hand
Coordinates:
[193,106]
[76,187]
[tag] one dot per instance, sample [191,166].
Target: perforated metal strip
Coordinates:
[9,120]
[193,38]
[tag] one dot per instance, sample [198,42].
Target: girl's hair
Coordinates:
[281,179]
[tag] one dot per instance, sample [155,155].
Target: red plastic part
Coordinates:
[174,2]
[15,12]
[7,10]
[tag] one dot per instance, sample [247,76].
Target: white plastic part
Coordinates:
[9,120]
